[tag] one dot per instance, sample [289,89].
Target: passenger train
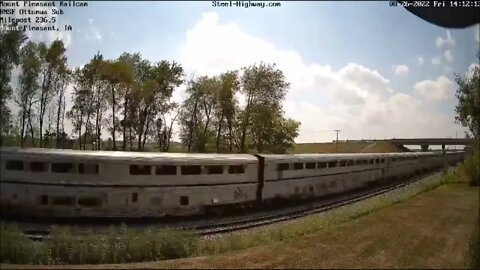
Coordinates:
[70,183]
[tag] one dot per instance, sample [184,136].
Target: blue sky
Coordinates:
[355,66]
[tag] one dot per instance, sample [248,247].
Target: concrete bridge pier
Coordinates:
[424,147]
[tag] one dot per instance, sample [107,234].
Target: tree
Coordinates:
[60,84]
[196,113]
[99,96]
[28,87]
[226,109]
[81,100]
[152,97]
[10,44]
[53,65]
[140,69]
[265,87]
[468,95]
[115,73]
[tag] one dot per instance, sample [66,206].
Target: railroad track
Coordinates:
[270,217]
[295,214]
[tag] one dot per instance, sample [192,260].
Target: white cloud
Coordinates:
[401,70]
[441,88]
[448,56]
[356,99]
[92,31]
[436,60]
[448,41]
[420,60]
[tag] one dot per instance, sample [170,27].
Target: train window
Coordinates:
[166,170]
[383,160]
[14,165]
[87,168]
[214,169]
[62,167]
[310,165]
[44,199]
[283,167]
[365,162]
[342,163]
[322,165]
[298,166]
[140,169]
[63,201]
[236,169]
[89,202]
[191,169]
[38,166]
[372,161]
[332,164]
[134,197]
[358,162]
[377,161]
[351,163]
[183,200]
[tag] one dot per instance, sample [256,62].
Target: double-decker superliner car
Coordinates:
[313,175]
[70,183]
[47,182]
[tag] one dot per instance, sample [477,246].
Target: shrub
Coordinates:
[472,168]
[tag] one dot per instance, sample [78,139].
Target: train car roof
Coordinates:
[342,156]
[125,156]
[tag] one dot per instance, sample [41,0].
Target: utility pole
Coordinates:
[337,130]
[455,138]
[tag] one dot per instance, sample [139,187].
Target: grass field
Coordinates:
[346,147]
[432,230]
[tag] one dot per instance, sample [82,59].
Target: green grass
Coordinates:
[67,246]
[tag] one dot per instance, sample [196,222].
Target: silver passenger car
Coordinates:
[48,182]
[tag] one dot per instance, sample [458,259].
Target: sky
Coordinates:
[371,70]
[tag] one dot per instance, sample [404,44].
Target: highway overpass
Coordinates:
[426,142]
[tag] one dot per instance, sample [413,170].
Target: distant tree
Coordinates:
[468,95]
[10,44]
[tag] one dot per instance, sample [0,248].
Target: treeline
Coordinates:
[131,99]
